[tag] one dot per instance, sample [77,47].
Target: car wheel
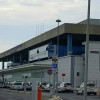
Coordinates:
[77,93]
[88,93]
[94,93]
[82,92]
[71,91]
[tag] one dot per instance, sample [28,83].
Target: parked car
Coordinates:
[47,87]
[42,84]
[2,84]
[17,86]
[8,84]
[29,86]
[65,87]
[91,88]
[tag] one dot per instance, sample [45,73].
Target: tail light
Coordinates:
[72,86]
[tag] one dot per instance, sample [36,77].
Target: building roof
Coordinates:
[66,28]
[23,68]
[92,22]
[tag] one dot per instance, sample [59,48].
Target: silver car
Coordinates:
[65,87]
[17,86]
[91,88]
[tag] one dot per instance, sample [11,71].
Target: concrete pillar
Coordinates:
[20,58]
[13,58]
[2,64]
[69,44]
[7,62]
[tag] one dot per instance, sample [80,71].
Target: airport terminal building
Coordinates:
[33,58]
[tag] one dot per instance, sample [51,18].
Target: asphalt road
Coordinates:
[6,94]
[73,96]
[13,95]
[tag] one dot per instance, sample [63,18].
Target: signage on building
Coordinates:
[49,71]
[38,53]
[54,66]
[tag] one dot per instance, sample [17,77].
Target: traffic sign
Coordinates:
[2,75]
[54,66]
[54,59]
[49,71]
[63,74]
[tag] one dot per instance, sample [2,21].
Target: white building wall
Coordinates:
[64,66]
[94,62]
[78,68]
[69,65]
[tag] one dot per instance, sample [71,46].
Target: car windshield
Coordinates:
[90,85]
[44,83]
[67,84]
[18,84]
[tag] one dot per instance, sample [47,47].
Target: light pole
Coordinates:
[86,52]
[57,52]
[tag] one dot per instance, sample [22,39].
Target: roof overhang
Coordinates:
[26,67]
[67,28]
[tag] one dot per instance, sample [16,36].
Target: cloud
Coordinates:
[28,12]
[17,12]
[5,45]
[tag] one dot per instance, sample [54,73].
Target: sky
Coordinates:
[21,20]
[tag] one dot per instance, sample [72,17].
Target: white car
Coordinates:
[65,87]
[2,84]
[29,86]
[91,89]
[47,87]
[17,86]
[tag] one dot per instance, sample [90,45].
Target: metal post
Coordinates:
[52,92]
[86,52]
[57,52]
[25,83]
[63,78]
[99,60]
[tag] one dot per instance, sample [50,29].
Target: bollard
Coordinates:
[39,93]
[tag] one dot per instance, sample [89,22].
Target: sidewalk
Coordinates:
[48,97]
[28,94]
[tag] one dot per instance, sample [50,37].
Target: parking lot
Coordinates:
[73,96]
[20,95]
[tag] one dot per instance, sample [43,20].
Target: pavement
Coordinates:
[49,97]
[27,94]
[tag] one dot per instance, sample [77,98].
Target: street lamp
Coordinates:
[57,49]
[86,52]
[58,21]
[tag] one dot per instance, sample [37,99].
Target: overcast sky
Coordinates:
[21,20]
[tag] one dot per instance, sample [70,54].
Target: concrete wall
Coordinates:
[94,62]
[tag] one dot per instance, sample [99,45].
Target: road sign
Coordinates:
[63,74]
[54,59]
[49,71]
[2,75]
[54,66]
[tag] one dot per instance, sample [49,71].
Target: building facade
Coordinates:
[34,57]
